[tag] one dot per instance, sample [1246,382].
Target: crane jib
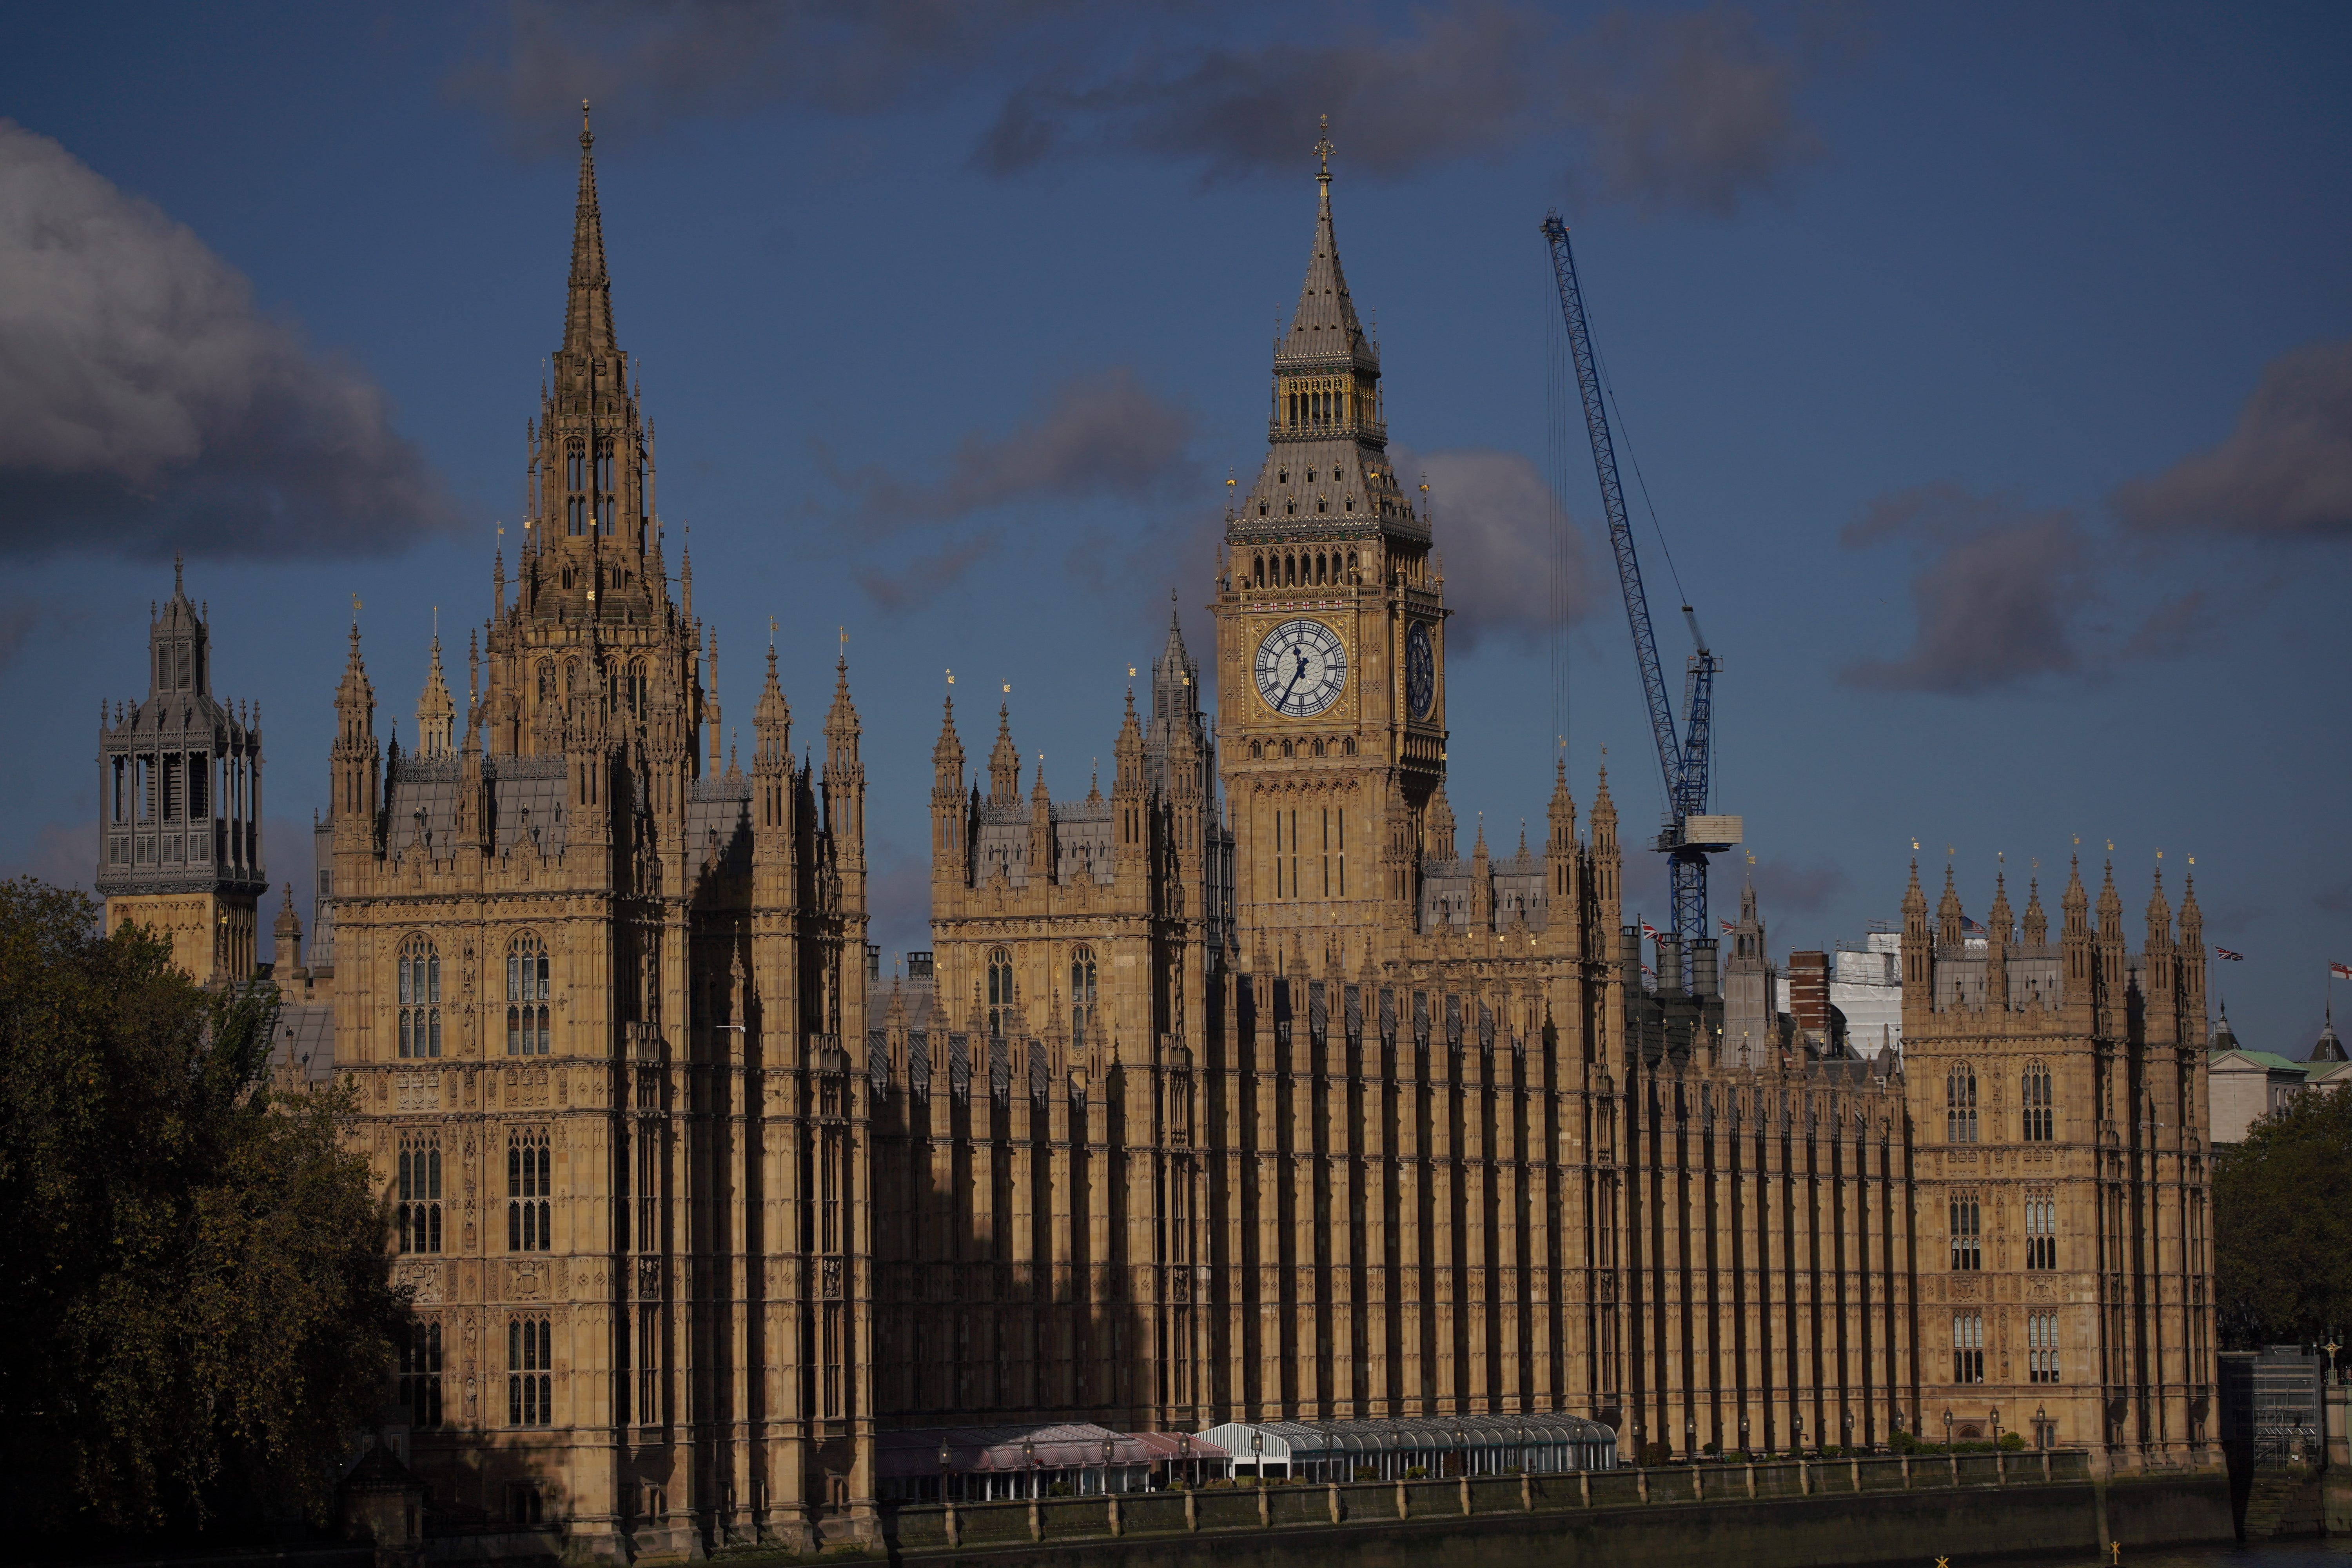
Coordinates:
[1613,501]
[1684,764]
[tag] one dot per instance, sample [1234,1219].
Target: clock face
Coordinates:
[1301,669]
[1420,671]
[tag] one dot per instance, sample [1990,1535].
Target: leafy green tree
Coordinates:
[2282,1226]
[199,1312]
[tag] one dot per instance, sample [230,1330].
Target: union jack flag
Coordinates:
[1967,924]
[1649,929]
[1726,924]
[2232,957]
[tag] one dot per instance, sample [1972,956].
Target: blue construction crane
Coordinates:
[1691,834]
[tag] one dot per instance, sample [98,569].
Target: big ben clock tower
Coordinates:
[1331,645]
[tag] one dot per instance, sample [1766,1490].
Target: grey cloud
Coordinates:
[653,63]
[2284,473]
[2179,625]
[2335,899]
[1691,109]
[1787,887]
[1101,435]
[1492,517]
[145,403]
[914,579]
[1994,599]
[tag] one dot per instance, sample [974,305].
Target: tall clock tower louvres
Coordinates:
[1329,640]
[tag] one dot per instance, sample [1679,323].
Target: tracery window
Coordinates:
[1968,1347]
[527,1030]
[1961,1104]
[530,1358]
[529,1184]
[2034,1096]
[420,1374]
[418,1214]
[419,986]
[2040,1229]
[1967,1239]
[2042,1347]
[1000,991]
[1082,993]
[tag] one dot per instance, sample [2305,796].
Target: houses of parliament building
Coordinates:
[1239,1091]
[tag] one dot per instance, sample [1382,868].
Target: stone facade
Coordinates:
[1239,1092]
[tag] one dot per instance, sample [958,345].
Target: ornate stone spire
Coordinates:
[588,299]
[2037,924]
[1003,762]
[1948,930]
[437,712]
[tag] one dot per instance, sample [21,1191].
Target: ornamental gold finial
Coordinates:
[1323,148]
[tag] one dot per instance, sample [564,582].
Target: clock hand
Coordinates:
[1292,686]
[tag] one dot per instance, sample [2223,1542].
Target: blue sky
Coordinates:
[1988,368]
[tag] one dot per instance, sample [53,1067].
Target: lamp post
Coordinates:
[1029,1459]
[1461,1450]
[1257,1455]
[1797,1431]
[1690,1438]
[1996,1427]
[947,1462]
[1111,1450]
[1845,1428]
[1743,1431]
[1948,1428]
[2040,1427]
[1184,1458]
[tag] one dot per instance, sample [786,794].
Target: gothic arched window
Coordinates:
[1082,993]
[417,1214]
[530,1357]
[2040,1229]
[1961,1104]
[1968,1232]
[420,1374]
[419,975]
[526,1031]
[1000,991]
[637,687]
[2034,1096]
[1257,572]
[528,1180]
[575,507]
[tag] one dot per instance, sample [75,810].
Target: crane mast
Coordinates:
[1691,834]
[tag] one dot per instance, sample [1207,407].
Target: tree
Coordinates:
[200,1316]
[2282,1226]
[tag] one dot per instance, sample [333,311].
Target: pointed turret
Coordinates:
[588,298]
[1918,955]
[2189,961]
[2037,924]
[1437,829]
[437,712]
[844,790]
[1949,932]
[1129,795]
[1998,925]
[352,761]
[771,724]
[951,843]
[2075,944]
[287,941]
[1003,762]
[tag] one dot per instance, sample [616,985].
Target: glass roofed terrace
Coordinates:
[1407,1447]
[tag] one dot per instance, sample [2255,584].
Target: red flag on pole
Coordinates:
[2339,972]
